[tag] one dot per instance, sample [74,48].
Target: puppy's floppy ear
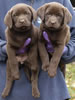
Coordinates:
[34,14]
[41,11]
[8,19]
[67,16]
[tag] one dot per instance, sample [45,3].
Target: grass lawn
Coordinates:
[70,80]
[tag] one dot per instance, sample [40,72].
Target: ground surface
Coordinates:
[70,80]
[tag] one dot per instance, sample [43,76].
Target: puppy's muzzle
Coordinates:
[52,20]
[21,21]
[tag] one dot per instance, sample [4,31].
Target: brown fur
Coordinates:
[55,18]
[19,27]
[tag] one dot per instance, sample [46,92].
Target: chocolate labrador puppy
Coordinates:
[54,32]
[21,37]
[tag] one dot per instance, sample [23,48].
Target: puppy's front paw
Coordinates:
[45,67]
[51,72]
[5,93]
[35,93]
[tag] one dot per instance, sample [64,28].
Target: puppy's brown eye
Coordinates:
[48,13]
[26,13]
[14,14]
[59,15]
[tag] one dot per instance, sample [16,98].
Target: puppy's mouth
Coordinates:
[21,28]
[52,28]
[21,25]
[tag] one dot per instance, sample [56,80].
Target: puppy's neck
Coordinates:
[17,30]
[43,26]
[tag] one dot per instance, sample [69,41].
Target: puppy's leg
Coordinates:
[63,68]
[33,65]
[9,81]
[34,81]
[55,60]
[44,56]
[27,72]
[13,62]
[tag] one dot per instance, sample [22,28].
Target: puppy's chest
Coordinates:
[21,38]
[18,40]
[53,37]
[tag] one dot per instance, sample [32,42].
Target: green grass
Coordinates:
[70,80]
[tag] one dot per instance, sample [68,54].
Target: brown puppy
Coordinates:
[55,18]
[19,28]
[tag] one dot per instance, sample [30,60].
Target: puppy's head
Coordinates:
[20,16]
[54,15]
